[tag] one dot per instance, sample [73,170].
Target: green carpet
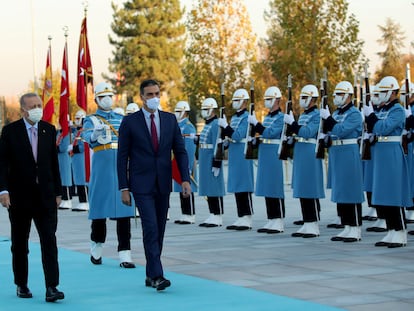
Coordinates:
[108,287]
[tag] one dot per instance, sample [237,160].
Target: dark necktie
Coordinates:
[154,136]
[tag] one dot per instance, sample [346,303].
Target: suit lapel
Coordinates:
[24,136]
[147,134]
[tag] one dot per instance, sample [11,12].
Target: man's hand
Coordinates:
[215,171]
[288,118]
[324,112]
[5,200]
[368,109]
[408,112]
[70,148]
[126,197]
[252,119]
[97,131]
[186,189]
[222,122]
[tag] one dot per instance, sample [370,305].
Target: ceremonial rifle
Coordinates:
[251,151]
[286,146]
[365,147]
[320,144]
[406,137]
[219,148]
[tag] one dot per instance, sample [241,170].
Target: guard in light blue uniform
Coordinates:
[101,132]
[391,189]
[345,165]
[307,173]
[65,167]
[78,163]
[189,133]
[269,180]
[240,173]
[211,179]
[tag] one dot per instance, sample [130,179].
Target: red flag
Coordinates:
[175,171]
[64,95]
[47,96]
[85,74]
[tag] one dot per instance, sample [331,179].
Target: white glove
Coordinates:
[252,119]
[191,136]
[215,171]
[70,148]
[97,131]
[408,112]
[368,109]
[222,122]
[324,113]
[288,118]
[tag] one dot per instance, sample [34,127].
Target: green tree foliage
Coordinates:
[220,49]
[304,36]
[149,43]
[392,38]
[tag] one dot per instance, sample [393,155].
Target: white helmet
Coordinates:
[342,92]
[103,89]
[131,108]
[180,108]
[308,92]
[119,110]
[271,94]
[403,92]
[387,85]
[238,98]
[207,107]
[79,116]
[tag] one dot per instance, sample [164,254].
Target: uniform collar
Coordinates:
[239,113]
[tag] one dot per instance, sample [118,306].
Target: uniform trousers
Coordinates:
[82,192]
[123,231]
[394,216]
[244,203]
[66,194]
[215,205]
[275,208]
[310,209]
[187,204]
[351,214]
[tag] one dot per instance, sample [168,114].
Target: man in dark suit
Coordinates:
[146,140]
[30,188]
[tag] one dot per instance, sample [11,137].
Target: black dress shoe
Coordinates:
[23,292]
[262,230]
[351,240]
[127,265]
[53,294]
[309,235]
[273,231]
[382,243]
[337,238]
[369,218]
[376,229]
[411,232]
[148,282]
[335,226]
[178,221]
[243,228]
[211,225]
[184,222]
[203,224]
[159,283]
[395,245]
[297,235]
[231,227]
[298,222]
[96,261]
[409,221]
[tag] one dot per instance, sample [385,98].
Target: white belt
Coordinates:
[306,140]
[270,141]
[206,146]
[389,139]
[340,142]
[235,142]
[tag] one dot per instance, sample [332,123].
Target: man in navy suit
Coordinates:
[146,140]
[30,188]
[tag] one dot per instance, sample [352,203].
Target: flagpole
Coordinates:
[65,33]
[35,85]
[85,10]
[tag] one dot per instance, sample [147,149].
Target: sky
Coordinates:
[26,25]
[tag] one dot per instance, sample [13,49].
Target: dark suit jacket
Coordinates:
[148,169]
[18,169]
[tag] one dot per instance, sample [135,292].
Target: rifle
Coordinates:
[365,147]
[219,148]
[355,99]
[251,152]
[286,145]
[406,137]
[320,145]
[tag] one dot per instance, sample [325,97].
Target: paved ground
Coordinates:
[354,276]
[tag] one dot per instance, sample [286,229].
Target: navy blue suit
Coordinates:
[148,175]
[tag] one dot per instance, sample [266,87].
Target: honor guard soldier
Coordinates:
[409,127]
[307,173]
[211,178]
[65,167]
[188,132]
[345,165]
[131,108]
[269,180]
[391,190]
[101,132]
[240,171]
[78,163]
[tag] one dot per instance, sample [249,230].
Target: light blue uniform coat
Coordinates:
[78,160]
[64,160]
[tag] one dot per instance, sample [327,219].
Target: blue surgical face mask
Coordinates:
[153,103]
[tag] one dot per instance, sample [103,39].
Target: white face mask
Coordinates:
[179,115]
[153,103]
[339,100]
[105,102]
[269,103]
[304,102]
[402,99]
[237,104]
[384,97]
[205,113]
[78,122]
[35,114]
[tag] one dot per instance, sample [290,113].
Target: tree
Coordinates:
[149,44]
[220,49]
[392,37]
[305,36]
